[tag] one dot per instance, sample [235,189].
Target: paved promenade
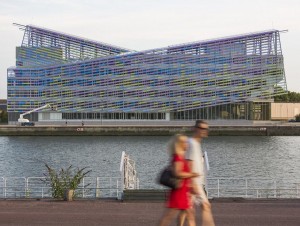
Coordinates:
[111,213]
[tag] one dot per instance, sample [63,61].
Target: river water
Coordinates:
[244,156]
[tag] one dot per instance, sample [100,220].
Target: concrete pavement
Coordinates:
[111,212]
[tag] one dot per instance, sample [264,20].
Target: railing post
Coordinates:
[26,187]
[97,187]
[42,192]
[4,179]
[2,187]
[218,188]
[118,189]
[83,188]
[275,187]
[110,193]
[246,180]
[207,191]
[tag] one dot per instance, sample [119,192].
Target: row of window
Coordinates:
[114,116]
[242,111]
[130,94]
[139,81]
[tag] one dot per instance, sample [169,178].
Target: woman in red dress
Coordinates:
[179,199]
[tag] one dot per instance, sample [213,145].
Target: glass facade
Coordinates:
[222,78]
[234,111]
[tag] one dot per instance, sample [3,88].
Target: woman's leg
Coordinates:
[168,217]
[181,218]
[190,215]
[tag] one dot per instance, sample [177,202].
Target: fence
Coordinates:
[98,187]
[253,187]
[34,187]
[112,187]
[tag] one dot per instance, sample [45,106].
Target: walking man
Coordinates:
[196,160]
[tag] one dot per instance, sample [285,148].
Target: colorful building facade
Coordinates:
[234,77]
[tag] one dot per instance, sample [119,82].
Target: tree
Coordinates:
[289,97]
[3,117]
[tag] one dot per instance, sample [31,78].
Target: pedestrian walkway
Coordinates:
[227,212]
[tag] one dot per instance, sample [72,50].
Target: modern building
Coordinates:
[234,77]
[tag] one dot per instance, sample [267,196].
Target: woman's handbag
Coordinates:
[168,178]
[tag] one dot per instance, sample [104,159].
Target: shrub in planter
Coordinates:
[64,182]
[297,118]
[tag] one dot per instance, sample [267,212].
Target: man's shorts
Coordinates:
[200,198]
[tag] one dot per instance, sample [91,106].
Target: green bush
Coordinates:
[297,118]
[64,179]
[3,117]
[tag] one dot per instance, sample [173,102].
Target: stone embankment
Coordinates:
[135,130]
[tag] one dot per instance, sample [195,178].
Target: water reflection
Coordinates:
[277,157]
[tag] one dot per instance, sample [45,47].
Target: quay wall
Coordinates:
[251,130]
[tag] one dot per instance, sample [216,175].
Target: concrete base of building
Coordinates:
[288,129]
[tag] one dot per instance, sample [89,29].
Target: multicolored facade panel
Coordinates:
[42,46]
[79,75]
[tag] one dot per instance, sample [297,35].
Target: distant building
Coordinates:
[284,111]
[234,77]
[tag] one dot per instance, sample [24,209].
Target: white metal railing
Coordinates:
[253,188]
[99,187]
[34,187]
[111,187]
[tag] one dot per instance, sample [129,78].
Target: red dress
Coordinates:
[179,198]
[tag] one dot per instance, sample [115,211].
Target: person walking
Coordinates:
[196,160]
[179,199]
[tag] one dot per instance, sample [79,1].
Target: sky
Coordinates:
[143,24]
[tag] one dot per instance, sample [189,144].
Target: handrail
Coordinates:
[33,185]
[250,187]
[274,185]
[40,191]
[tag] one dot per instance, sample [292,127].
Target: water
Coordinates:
[276,157]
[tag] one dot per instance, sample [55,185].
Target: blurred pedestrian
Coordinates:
[179,199]
[197,162]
